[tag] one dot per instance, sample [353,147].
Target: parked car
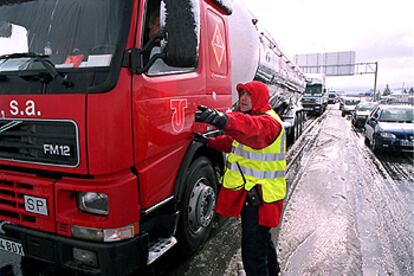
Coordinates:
[391,127]
[362,111]
[349,105]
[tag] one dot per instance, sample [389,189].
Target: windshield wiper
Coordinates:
[23,55]
[47,64]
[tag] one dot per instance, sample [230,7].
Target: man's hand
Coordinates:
[200,138]
[211,116]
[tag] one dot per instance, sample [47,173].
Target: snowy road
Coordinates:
[349,212]
[347,215]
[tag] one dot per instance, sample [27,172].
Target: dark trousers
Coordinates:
[258,252]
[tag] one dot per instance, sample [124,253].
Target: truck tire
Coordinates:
[291,136]
[373,145]
[197,207]
[302,122]
[366,141]
[297,128]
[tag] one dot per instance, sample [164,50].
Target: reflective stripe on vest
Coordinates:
[266,167]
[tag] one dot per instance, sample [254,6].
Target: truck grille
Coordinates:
[13,188]
[42,142]
[309,100]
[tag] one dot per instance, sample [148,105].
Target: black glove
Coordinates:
[211,116]
[200,138]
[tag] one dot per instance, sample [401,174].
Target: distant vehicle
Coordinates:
[349,105]
[391,127]
[362,111]
[315,99]
[332,97]
[111,178]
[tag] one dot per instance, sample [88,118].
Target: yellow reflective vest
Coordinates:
[247,167]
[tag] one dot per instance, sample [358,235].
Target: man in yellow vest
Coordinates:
[254,183]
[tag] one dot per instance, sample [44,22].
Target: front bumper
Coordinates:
[117,258]
[312,108]
[398,145]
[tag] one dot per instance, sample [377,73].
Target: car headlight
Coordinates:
[387,135]
[93,203]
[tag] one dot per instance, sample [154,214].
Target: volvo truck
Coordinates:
[99,169]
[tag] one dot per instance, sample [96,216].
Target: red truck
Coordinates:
[99,171]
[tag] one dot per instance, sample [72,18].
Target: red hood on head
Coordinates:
[260,95]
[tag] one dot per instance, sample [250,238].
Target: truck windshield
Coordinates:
[72,33]
[313,89]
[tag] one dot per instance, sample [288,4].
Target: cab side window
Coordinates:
[153,29]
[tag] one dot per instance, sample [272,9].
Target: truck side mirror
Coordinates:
[180,24]
[5,29]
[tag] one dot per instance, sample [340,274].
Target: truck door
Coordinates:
[164,100]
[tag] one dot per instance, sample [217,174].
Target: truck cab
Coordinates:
[97,157]
[315,98]
[99,171]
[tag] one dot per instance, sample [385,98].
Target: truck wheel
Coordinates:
[301,122]
[373,145]
[291,136]
[297,129]
[343,114]
[197,210]
[366,141]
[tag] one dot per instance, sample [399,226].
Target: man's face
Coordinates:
[245,101]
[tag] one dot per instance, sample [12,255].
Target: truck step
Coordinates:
[158,248]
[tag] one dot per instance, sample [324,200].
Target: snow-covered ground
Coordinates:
[346,216]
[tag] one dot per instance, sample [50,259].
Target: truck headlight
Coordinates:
[387,135]
[93,203]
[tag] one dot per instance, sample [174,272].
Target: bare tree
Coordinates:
[387,91]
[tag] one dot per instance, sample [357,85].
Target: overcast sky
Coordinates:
[377,30]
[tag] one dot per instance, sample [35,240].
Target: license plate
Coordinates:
[11,246]
[407,143]
[35,205]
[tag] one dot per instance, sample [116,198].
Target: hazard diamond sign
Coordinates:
[218,46]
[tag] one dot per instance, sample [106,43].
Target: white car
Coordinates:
[362,111]
[349,105]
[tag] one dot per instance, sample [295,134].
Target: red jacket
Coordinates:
[256,130]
